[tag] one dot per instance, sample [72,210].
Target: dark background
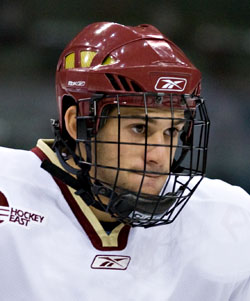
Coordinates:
[215,35]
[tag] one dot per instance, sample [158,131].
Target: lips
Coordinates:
[153,176]
[150,175]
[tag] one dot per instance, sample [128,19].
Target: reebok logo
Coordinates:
[171,84]
[77,84]
[110,262]
[18,216]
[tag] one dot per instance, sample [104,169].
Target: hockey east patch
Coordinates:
[17,216]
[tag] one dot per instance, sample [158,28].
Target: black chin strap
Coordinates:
[80,184]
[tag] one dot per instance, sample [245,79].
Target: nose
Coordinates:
[158,151]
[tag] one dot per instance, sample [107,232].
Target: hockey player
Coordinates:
[97,213]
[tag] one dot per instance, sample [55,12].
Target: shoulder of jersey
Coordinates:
[220,192]
[22,166]
[13,160]
[217,219]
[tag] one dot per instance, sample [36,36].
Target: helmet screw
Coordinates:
[102,191]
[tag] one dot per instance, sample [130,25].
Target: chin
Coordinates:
[151,190]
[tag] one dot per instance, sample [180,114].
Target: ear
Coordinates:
[70,121]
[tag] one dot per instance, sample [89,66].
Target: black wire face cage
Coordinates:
[120,187]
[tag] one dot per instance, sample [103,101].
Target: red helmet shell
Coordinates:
[143,60]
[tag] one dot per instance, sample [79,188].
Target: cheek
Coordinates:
[131,156]
[107,154]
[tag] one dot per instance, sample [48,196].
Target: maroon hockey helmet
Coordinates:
[112,58]
[109,64]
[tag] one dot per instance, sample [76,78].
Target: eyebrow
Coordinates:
[180,121]
[153,119]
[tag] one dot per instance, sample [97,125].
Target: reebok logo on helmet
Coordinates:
[77,83]
[171,84]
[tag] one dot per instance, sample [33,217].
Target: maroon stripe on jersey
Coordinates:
[90,231]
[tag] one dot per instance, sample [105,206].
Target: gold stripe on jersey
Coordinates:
[110,240]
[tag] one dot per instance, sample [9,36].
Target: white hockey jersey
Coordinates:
[52,247]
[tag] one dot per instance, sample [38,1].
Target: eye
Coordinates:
[172,132]
[138,128]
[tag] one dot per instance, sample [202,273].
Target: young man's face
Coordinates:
[133,156]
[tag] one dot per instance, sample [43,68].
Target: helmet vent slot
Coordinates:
[122,83]
[113,81]
[136,88]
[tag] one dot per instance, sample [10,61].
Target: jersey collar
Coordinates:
[116,240]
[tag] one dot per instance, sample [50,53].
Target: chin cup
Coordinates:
[130,207]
